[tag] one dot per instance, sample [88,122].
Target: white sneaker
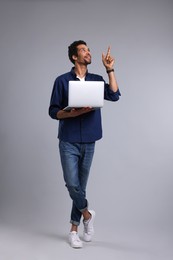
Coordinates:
[74,240]
[88,227]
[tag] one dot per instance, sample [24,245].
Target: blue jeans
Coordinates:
[76,159]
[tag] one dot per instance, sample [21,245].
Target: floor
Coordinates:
[22,244]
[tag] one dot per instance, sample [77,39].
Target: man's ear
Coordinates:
[74,57]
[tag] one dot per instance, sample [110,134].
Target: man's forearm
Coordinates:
[61,114]
[112,81]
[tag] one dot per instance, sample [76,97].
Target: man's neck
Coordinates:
[80,71]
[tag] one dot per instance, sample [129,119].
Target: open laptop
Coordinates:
[85,94]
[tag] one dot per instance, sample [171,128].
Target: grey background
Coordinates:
[130,185]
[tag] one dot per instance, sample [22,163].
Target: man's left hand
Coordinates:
[108,60]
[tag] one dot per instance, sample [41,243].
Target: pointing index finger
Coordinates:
[108,52]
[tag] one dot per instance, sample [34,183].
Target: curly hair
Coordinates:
[72,49]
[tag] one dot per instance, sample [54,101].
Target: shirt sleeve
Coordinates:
[55,101]
[110,95]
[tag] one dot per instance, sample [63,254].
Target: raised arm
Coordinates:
[108,62]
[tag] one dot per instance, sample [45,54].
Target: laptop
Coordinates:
[85,94]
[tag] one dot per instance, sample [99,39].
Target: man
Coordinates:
[79,129]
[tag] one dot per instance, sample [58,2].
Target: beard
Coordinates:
[87,60]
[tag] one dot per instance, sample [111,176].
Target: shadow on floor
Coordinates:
[117,246]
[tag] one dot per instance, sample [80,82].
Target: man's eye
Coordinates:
[84,50]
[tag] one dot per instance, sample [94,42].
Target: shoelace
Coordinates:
[76,237]
[87,229]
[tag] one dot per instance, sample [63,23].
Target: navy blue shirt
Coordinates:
[84,128]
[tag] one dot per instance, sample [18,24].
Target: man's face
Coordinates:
[84,55]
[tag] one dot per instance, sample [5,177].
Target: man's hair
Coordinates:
[72,49]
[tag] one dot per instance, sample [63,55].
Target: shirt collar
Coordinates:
[74,74]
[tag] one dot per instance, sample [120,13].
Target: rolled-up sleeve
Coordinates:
[55,101]
[110,95]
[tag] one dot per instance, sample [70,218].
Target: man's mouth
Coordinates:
[88,57]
